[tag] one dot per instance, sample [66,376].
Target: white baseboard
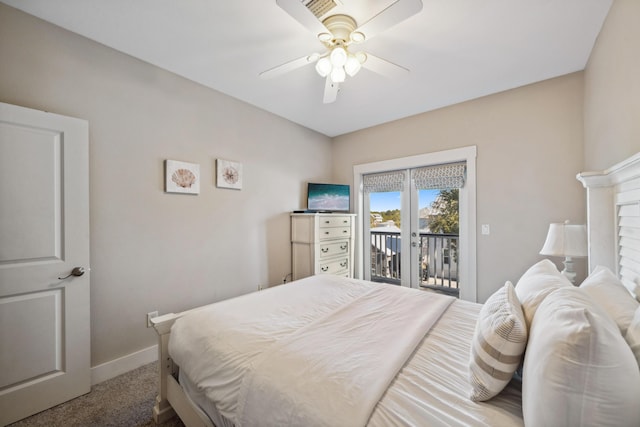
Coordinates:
[123,364]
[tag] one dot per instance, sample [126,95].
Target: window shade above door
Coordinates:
[440,177]
[383,182]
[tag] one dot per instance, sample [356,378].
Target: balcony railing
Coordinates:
[437,259]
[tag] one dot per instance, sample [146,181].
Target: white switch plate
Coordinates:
[486,229]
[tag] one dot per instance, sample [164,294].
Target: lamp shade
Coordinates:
[566,240]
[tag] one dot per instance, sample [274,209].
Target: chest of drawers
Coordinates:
[322,244]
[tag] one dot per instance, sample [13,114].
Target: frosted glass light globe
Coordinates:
[323,67]
[352,65]
[338,56]
[337,75]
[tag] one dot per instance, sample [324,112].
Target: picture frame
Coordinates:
[229,174]
[182,177]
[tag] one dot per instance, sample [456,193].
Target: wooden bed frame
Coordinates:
[607,192]
[172,399]
[611,195]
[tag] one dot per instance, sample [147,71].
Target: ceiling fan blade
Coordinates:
[330,91]
[289,66]
[384,67]
[300,13]
[392,15]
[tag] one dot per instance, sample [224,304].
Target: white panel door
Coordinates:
[44,235]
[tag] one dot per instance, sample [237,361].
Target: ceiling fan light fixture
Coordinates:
[338,75]
[361,57]
[357,37]
[352,66]
[325,37]
[337,33]
[323,66]
[338,56]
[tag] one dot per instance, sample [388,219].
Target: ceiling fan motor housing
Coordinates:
[341,27]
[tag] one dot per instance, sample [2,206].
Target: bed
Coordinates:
[326,350]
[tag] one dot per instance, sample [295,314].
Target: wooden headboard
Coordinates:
[613,220]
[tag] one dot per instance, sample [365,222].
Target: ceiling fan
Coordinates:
[338,33]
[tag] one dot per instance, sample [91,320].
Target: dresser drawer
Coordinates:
[334,221]
[334,232]
[329,250]
[335,266]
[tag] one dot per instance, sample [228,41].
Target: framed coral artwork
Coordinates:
[181,177]
[229,174]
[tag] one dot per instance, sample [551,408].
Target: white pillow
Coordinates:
[633,336]
[536,283]
[498,344]
[608,291]
[578,369]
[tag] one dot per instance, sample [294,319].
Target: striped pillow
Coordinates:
[498,343]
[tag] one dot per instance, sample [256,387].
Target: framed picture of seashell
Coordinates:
[181,177]
[229,174]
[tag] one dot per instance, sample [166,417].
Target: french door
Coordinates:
[395,207]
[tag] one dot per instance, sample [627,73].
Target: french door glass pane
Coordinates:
[386,244]
[438,232]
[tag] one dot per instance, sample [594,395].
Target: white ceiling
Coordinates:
[456,50]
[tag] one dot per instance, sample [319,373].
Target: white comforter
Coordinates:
[217,345]
[333,371]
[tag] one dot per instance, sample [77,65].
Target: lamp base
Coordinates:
[568,271]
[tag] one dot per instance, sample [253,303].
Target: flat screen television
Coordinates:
[328,197]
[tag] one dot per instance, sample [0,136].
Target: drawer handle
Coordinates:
[345,231]
[326,232]
[324,250]
[343,264]
[345,221]
[327,222]
[324,268]
[343,247]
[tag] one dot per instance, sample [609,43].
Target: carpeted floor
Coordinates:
[124,401]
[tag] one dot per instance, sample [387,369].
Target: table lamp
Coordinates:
[566,240]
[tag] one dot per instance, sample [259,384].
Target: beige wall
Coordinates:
[612,89]
[529,144]
[151,250]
